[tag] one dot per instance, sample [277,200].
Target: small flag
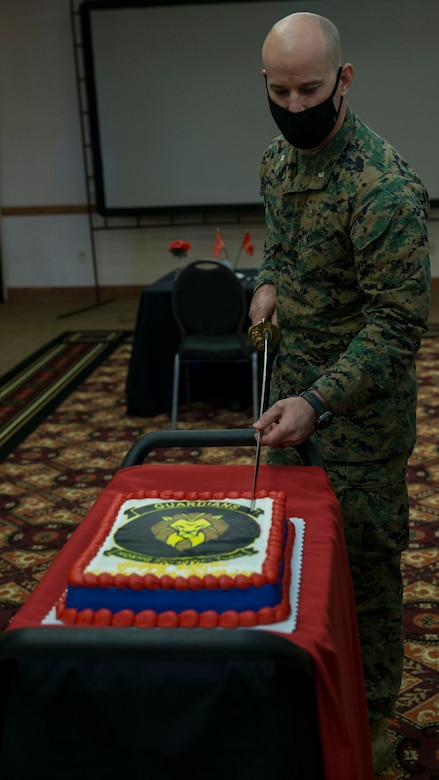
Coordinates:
[218,246]
[247,245]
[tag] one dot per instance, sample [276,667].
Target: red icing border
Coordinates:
[270,567]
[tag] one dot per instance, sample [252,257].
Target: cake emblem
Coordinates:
[193,530]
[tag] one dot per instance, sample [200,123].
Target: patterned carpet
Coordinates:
[37,385]
[50,480]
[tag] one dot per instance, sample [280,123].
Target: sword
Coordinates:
[264,336]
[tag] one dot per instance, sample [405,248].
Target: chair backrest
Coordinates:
[208,298]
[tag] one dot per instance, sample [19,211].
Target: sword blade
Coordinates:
[267,338]
[255,472]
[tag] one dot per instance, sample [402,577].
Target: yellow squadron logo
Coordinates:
[186,530]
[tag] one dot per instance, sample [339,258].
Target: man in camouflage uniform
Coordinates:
[346,276]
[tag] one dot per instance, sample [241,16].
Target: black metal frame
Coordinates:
[227,437]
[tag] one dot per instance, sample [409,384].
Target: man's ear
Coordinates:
[346,78]
[264,74]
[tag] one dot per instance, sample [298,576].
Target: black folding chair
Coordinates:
[210,307]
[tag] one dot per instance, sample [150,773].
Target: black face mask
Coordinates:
[309,128]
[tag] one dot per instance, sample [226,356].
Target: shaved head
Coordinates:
[305,36]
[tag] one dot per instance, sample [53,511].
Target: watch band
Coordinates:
[315,402]
[323,414]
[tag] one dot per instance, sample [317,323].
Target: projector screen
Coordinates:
[178,107]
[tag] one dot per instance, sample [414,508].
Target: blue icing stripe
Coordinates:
[116,599]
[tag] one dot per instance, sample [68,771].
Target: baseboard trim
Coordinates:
[86,295]
[82,295]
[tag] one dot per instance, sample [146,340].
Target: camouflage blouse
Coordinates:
[347,249]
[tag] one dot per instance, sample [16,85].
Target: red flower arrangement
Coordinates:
[179,248]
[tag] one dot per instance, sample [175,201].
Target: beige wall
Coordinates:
[45,233]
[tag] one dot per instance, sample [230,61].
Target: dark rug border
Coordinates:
[27,428]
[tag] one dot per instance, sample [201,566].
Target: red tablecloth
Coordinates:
[326,626]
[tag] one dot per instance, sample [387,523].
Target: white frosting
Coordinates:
[242,564]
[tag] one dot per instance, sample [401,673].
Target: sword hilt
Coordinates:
[261,331]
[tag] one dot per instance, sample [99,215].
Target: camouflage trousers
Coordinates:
[374,503]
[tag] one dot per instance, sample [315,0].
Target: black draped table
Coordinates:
[156,339]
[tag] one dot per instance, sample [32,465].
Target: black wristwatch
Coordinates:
[324,416]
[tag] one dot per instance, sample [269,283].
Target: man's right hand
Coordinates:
[263,304]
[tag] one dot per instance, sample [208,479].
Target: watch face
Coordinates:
[324,420]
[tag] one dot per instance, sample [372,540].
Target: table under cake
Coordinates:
[222,703]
